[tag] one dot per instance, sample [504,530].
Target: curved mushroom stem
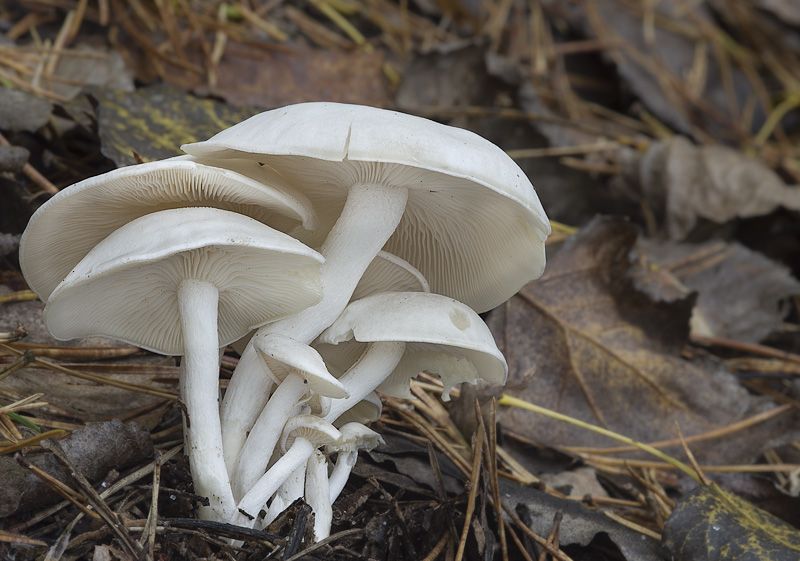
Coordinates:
[198,304]
[256,452]
[373,367]
[345,462]
[236,426]
[290,490]
[266,486]
[369,217]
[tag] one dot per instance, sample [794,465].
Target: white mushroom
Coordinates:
[242,405]
[406,333]
[449,202]
[298,369]
[302,435]
[355,437]
[187,282]
[63,230]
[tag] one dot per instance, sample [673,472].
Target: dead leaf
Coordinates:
[683,182]
[95,450]
[578,525]
[266,75]
[155,121]
[675,74]
[741,294]
[584,342]
[88,65]
[82,400]
[709,523]
[786,10]
[21,111]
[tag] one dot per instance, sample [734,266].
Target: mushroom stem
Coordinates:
[266,486]
[235,425]
[318,495]
[369,217]
[256,452]
[373,366]
[198,303]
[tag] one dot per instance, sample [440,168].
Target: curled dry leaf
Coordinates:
[683,182]
[583,341]
[95,450]
[741,293]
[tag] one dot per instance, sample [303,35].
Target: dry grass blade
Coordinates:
[25,443]
[61,488]
[98,379]
[477,458]
[11,537]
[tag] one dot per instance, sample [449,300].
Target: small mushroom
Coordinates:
[241,406]
[188,282]
[405,333]
[355,437]
[63,230]
[298,369]
[301,436]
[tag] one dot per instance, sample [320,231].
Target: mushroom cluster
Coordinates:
[347,247]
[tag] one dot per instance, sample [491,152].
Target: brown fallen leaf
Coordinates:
[584,342]
[663,54]
[683,182]
[741,294]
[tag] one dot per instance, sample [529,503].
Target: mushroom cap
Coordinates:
[63,230]
[284,355]
[442,336]
[130,279]
[365,411]
[318,431]
[355,436]
[473,224]
[389,273]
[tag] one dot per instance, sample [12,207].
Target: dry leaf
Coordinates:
[578,525]
[584,342]
[683,182]
[95,450]
[709,523]
[741,294]
[675,74]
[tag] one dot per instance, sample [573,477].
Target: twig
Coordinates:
[29,170]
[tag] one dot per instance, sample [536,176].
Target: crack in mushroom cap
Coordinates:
[442,336]
[473,226]
[130,280]
[64,229]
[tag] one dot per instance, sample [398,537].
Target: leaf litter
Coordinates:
[591,98]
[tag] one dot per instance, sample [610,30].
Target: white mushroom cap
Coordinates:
[443,336]
[355,436]
[364,412]
[311,428]
[389,273]
[125,288]
[284,355]
[63,230]
[473,224]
